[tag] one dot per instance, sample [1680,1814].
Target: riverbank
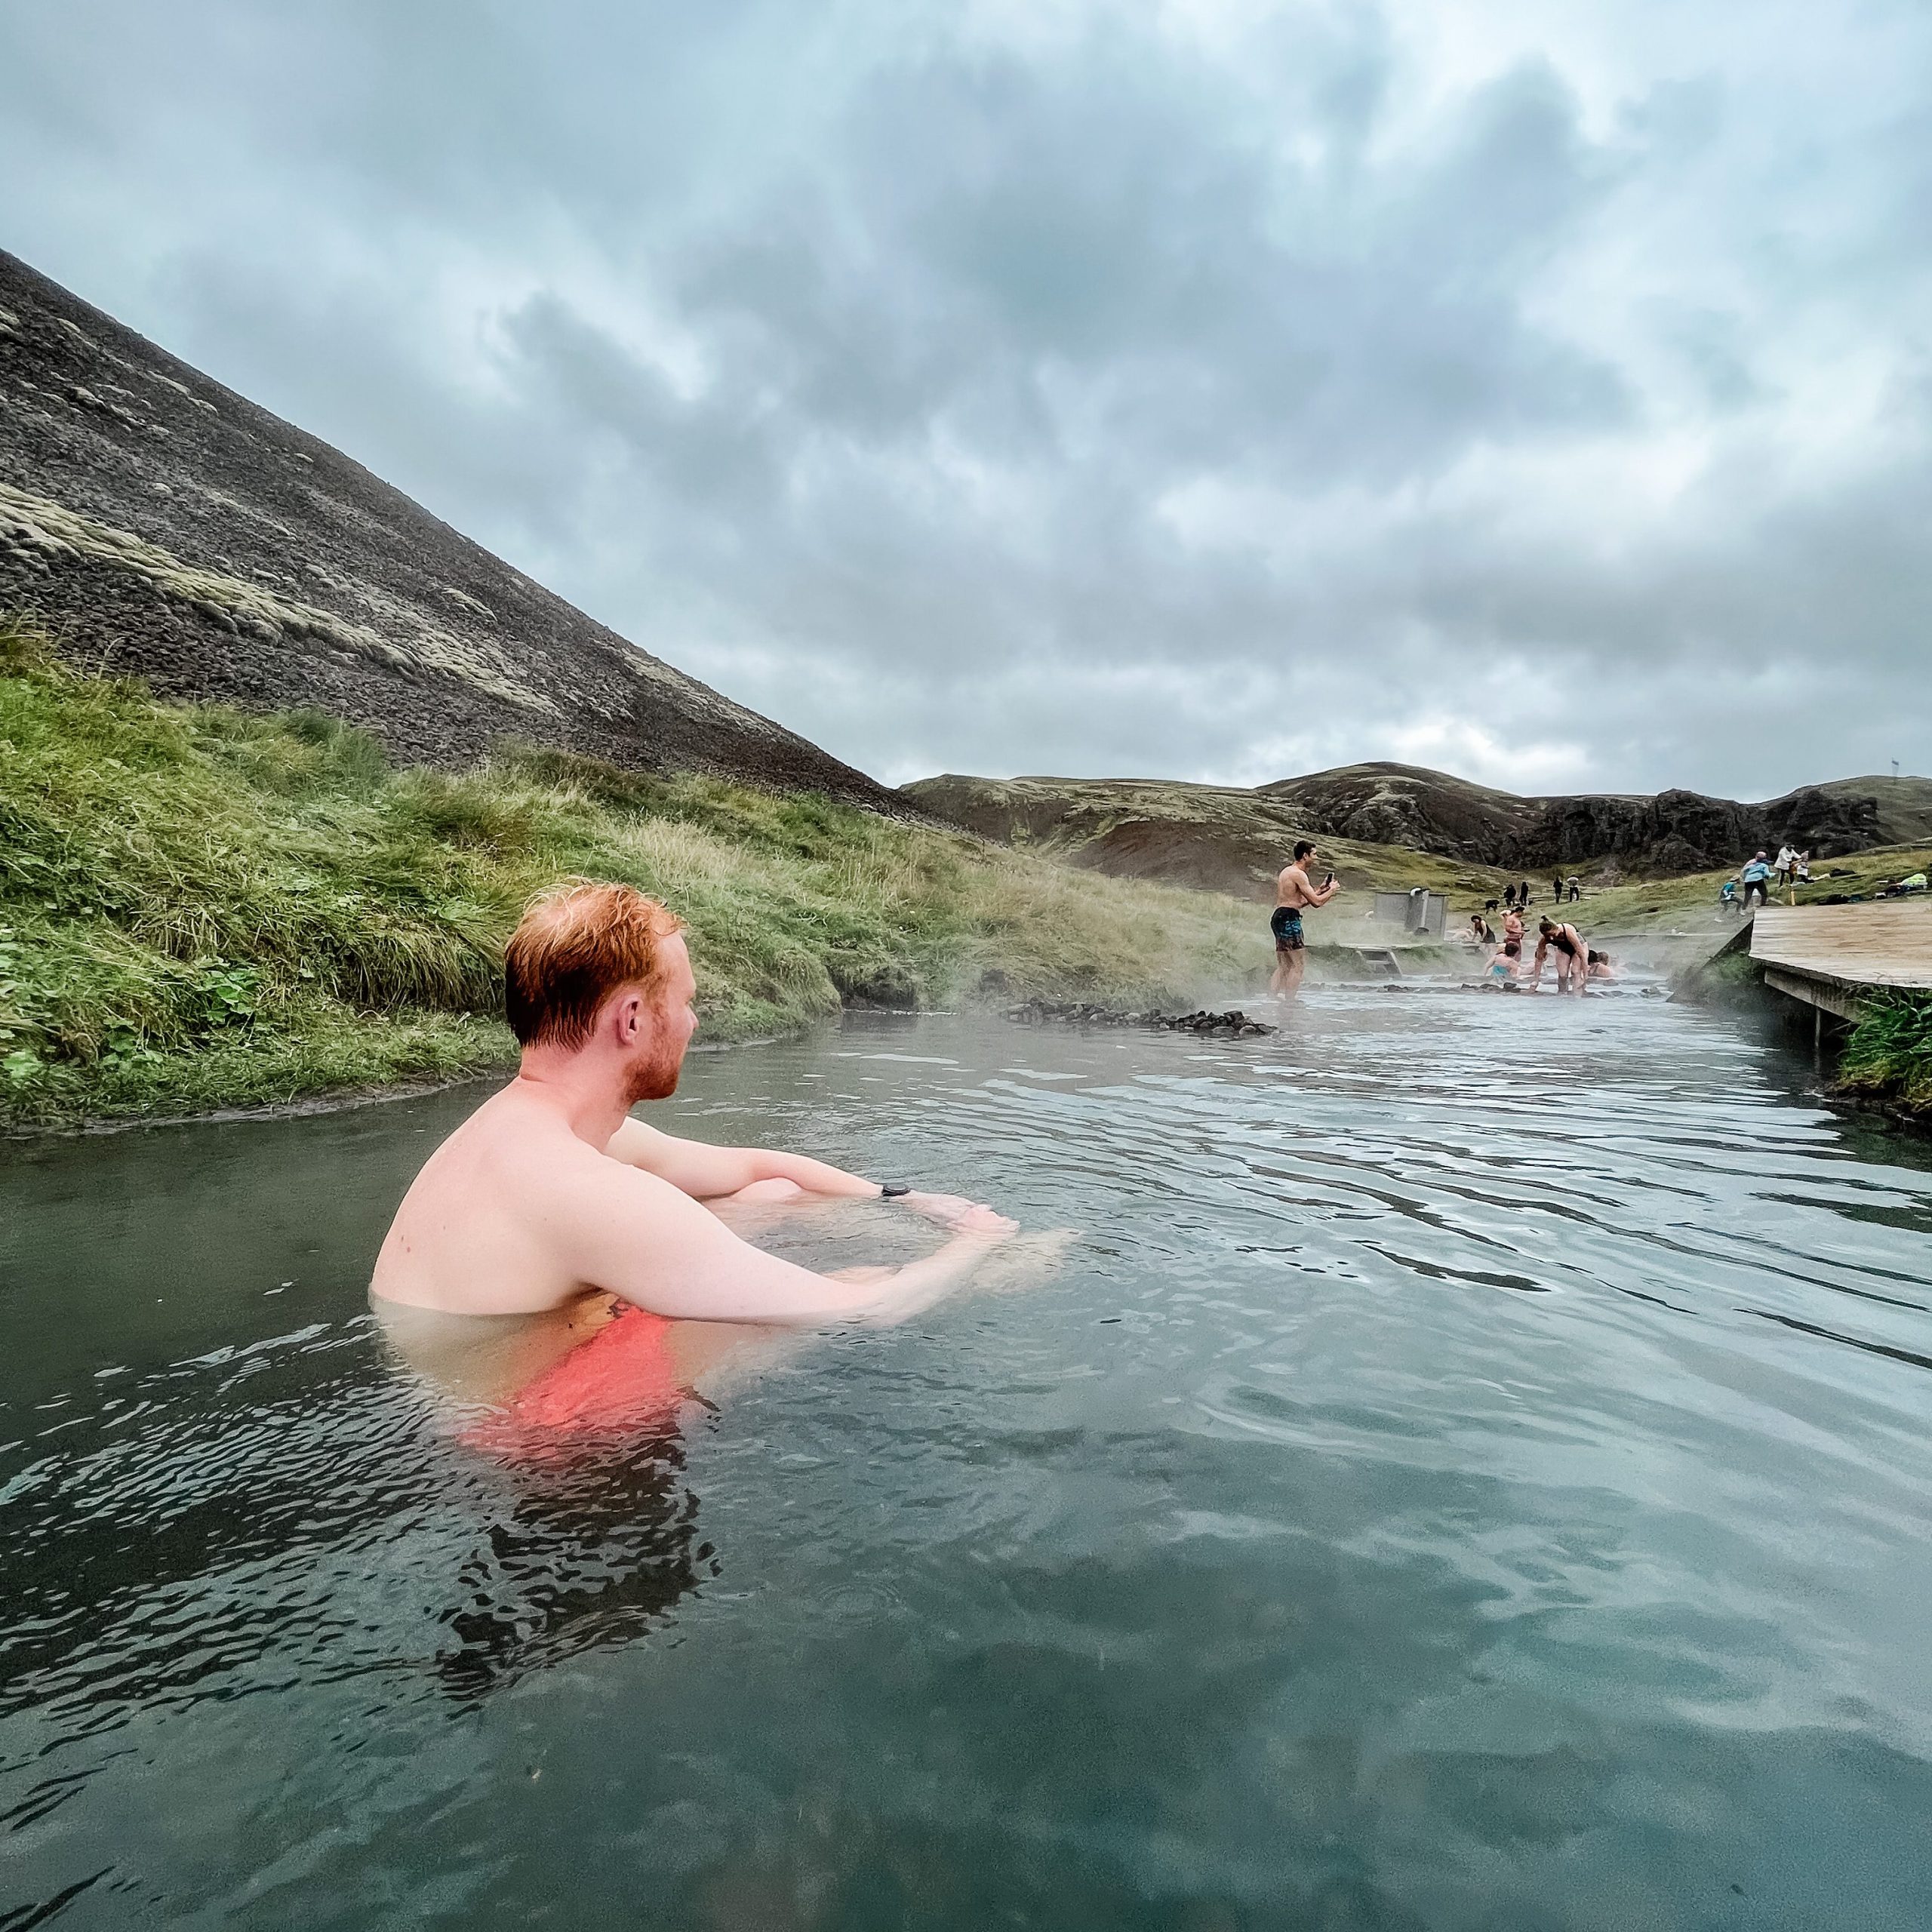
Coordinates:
[1884,1060]
[201,907]
[1888,1057]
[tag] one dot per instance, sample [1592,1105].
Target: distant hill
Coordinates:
[1214,837]
[159,524]
[1670,832]
[1905,806]
[1227,839]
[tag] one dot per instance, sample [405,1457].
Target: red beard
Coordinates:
[653,1079]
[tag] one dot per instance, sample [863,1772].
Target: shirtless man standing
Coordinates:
[1294,892]
[1572,956]
[550,1192]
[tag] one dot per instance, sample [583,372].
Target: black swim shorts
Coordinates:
[1285,924]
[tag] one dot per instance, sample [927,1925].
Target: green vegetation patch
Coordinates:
[201,908]
[1888,1055]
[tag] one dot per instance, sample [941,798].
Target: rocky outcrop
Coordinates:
[1674,832]
[1685,831]
[1232,1025]
[158,524]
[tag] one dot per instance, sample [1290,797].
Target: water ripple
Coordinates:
[1472,1470]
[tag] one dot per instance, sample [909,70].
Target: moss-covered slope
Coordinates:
[201,907]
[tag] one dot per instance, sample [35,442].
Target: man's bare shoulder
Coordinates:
[513,1212]
[511,1153]
[532,1148]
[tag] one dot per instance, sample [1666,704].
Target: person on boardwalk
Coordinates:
[1573,956]
[1295,892]
[551,1192]
[1756,877]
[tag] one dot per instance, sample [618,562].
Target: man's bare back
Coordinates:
[549,1191]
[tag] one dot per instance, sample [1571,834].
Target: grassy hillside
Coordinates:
[1905,805]
[1690,905]
[1381,817]
[1221,838]
[201,908]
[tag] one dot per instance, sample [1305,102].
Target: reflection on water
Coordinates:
[1473,1471]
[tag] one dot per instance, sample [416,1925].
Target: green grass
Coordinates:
[202,908]
[1691,905]
[1888,1055]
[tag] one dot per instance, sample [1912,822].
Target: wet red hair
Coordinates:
[575,946]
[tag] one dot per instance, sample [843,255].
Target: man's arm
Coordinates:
[637,1235]
[706,1173]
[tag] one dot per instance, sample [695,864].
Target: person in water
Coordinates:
[1294,893]
[551,1194]
[1572,955]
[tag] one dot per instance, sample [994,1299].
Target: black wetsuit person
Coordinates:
[1573,970]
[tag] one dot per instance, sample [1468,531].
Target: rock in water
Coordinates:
[1232,1025]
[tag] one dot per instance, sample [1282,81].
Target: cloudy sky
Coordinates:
[1538,390]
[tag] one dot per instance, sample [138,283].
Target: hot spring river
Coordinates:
[1474,1471]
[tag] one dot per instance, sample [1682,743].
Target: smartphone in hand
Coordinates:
[1330,880]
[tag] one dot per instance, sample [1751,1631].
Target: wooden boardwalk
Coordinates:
[1834,957]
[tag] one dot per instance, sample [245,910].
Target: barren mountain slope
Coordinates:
[159,524]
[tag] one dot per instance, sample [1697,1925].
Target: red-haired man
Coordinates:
[550,1191]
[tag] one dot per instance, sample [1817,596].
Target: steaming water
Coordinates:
[1474,1471]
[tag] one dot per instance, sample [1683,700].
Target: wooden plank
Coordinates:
[1887,943]
[1828,995]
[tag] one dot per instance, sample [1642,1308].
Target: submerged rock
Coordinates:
[1233,1024]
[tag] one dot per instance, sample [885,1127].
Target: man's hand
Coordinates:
[944,1208]
[982,1223]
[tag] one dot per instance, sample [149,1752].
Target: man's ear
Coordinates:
[629,1017]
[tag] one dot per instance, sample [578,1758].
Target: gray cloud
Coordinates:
[1103,389]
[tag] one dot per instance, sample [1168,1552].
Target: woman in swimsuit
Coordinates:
[1572,955]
